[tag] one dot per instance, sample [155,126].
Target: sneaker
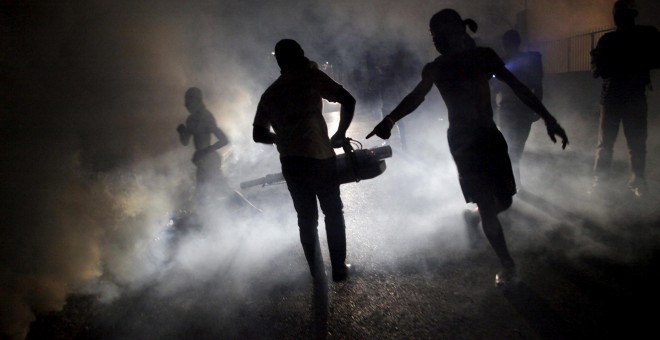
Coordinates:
[342,273]
[506,278]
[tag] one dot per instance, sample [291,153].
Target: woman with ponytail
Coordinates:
[462,73]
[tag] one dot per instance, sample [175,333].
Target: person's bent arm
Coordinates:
[533,102]
[222,139]
[346,113]
[261,127]
[538,92]
[524,94]
[262,135]
[536,84]
[184,134]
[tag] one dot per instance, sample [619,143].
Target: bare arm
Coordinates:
[528,97]
[261,127]
[262,135]
[184,134]
[537,86]
[538,91]
[524,93]
[222,139]
[346,113]
[409,103]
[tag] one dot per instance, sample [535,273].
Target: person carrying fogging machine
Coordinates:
[513,117]
[462,73]
[623,59]
[292,107]
[353,165]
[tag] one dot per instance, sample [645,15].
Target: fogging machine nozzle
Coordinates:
[352,166]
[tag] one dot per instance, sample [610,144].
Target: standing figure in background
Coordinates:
[397,76]
[623,59]
[462,73]
[211,186]
[201,126]
[292,106]
[513,117]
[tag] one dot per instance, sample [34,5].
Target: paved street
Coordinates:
[588,265]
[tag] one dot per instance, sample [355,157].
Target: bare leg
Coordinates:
[493,231]
[488,210]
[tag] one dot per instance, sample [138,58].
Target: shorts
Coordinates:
[484,167]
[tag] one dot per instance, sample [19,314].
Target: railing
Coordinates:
[569,54]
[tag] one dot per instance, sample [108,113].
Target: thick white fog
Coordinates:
[93,171]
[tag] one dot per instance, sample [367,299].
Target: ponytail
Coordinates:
[471,24]
[450,19]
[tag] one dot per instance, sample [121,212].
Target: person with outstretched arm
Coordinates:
[462,73]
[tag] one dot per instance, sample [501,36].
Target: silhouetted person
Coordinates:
[292,106]
[365,80]
[201,126]
[514,118]
[623,58]
[462,73]
[396,74]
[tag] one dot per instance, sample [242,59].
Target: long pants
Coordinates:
[308,179]
[515,126]
[631,112]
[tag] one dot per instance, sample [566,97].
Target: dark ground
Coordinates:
[588,268]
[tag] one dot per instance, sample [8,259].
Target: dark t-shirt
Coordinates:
[623,59]
[293,106]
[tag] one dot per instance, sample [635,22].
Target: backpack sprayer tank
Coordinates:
[352,166]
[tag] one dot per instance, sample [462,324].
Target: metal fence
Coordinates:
[569,54]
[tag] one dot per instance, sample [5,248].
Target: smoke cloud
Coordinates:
[93,172]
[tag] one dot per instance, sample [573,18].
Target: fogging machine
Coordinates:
[353,165]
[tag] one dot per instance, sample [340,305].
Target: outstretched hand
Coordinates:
[383,129]
[554,129]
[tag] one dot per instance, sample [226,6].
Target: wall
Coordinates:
[556,19]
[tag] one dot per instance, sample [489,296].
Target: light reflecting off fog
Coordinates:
[95,173]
